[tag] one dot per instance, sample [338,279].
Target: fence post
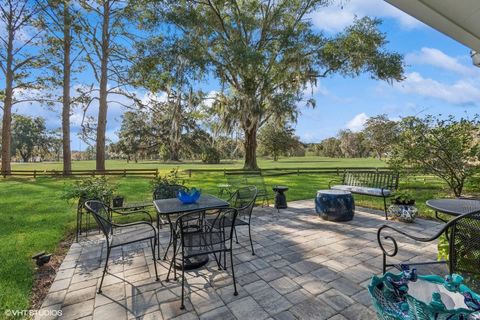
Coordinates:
[34,174]
[156,173]
[124,172]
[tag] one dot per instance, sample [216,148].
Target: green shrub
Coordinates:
[210,155]
[91,188]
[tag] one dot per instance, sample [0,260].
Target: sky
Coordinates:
[439,79]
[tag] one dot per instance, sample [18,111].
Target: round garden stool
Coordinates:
[335,205]
[280,198]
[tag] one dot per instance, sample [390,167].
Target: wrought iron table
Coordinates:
[453,207]
[173,206]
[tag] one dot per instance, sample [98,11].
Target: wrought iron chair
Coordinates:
[193,238]
[144,231]
[166,191]
[243,200]
[464,247]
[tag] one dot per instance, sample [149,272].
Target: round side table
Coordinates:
[335,205]
[280,198]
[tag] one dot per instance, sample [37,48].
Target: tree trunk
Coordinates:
[103,107]
[250,148]
[176,130]
[67,42]
[7,106]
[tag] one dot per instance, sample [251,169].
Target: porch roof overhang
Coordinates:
[458,19]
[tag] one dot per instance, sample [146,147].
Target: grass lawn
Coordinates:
[33,217]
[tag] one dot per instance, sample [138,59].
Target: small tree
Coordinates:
[447,148]
[380,132]
[28,134]
[277,139]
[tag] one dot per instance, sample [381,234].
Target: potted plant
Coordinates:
[403,207]
[117,201]
[90,189]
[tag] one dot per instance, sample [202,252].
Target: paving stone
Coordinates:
[284,285]
[205,300]
[219,313]
[336,299]
[187,316]
[316,286]
[112,293]
[114,310]
[247,308]
[298,296]
[73,297]
[345,286]
[312,309]
[78,310]
[141,304]
[59,285]
[325,274]
[54,298]
[271,301]
[285,315]
[171,309]
[269,274]
[338,317]
[358,312]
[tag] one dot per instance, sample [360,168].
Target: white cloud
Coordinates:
[335,18]
[357,123]
[437,58]
[460,93]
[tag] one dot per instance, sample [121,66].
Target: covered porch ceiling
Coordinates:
[458,19]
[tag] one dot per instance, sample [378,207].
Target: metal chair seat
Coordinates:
[200,243]
[139,233]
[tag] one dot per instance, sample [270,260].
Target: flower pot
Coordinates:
[403,212]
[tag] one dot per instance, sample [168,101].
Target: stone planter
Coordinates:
[403,212]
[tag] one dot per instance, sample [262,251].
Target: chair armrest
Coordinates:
[124,213]
[132,224]
[333,180]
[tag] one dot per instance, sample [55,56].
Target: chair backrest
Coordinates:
[101,214]
[372,179]
[244,200]
[236,180]
[258,181]
[464,250]
[167,191]
[195,232]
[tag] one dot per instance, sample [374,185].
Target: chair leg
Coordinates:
[104,270]
[158,237]
[236,238]
[235,293]
[172,264]
[154,259]
[385,207]
[250,236]
[183,281]
[168,247]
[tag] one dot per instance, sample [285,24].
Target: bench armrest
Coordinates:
[334,180]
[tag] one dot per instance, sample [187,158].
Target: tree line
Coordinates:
[81,54]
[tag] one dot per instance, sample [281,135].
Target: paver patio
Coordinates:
[304,268]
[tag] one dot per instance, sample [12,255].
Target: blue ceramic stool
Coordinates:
[335,205]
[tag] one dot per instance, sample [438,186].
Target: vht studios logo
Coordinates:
[32,313]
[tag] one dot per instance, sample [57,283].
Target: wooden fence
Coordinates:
[286,171]
[92,173]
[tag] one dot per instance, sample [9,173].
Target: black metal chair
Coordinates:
[143,231]
[464,245]
[166,191]
[244,200]
[193,238]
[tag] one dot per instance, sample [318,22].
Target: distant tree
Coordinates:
[381,133]
[448,148]
[265,53]
[353,144]
[133,134]
[19,58]
[277,139]
[29,134]
[331,148]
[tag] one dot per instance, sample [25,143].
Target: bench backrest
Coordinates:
[371,179]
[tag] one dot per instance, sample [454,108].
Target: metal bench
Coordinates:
[369,183]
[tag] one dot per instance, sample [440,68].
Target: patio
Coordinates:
[304,268]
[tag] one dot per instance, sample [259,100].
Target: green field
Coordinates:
[33,217]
